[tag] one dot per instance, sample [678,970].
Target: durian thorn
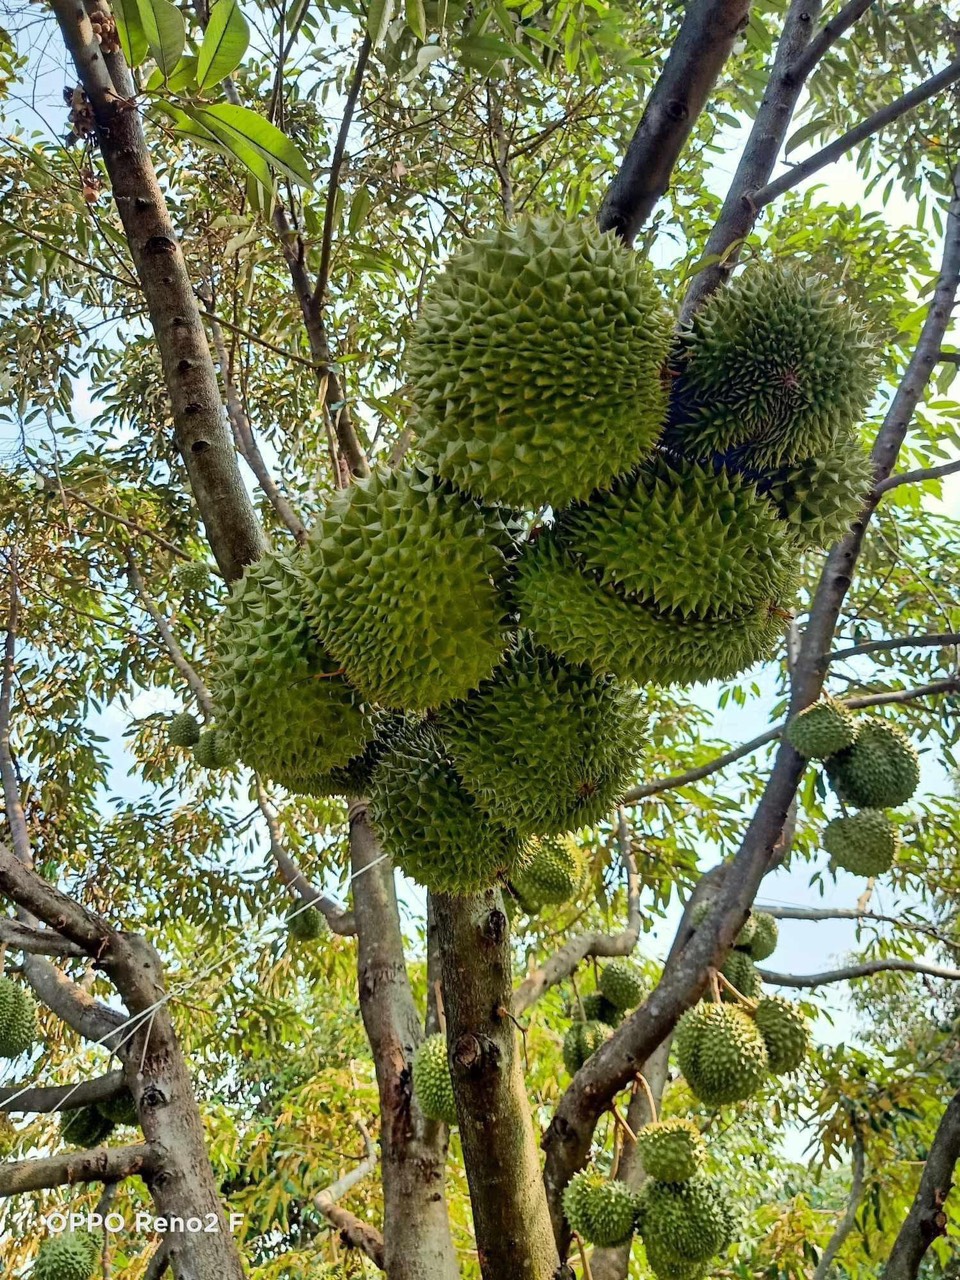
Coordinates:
[744,1000]
[622,1122]
[587,1273]
[641,1080]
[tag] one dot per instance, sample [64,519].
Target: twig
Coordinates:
[728,986]
[622,1122]
[864,970]
[940,640]
[846,1223]
[177,656]
[642,1081]
[918,476]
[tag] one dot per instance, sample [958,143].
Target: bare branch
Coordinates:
[104,1164]
[828,35]
[846,1223]
[807,981]
[338,1189]
[44,900]
[45,1100]
[179,660]
[815,914]
[927,1219]
[36,942]
[704,770]
[339,919]
[938,641]
[918,476]
[128,524]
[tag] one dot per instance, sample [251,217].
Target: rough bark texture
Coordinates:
[200,426]
[103,1164]
[416,1231]
[511,1222]
[927,1218]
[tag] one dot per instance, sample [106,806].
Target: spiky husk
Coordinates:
[120,1110]
[667,1266]
[536,363]
[597,1008]
[184,730]
[721,1053]
[355,778]
[430,823]
[691,540]
[740,970]
[601,1210]
[553,872]
[772,369]
[582,1040]
[545,746]
[305,924]
[289,714]
[621,981]
[18,1019]
[192,575]
[84,1126]
[820,497]
[688,1220]
[70,1256]
[766,933]
[571,614]
[785,1031]
[671,1150]
[880,771]
[403,573]
[432,1082]
[214,749]
[864,843]
[822,729]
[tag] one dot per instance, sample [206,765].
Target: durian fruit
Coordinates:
[184,730]
[721,1053]
[18,1019]
[773,368]
[73,1255]
[431,825]
[766,933]
[356,777]
[84,1126]
[689,1221]
[864,843]
[192,575]
[305,924]
[667,1266]
[671,1150]
[785,1031]
[621,981]
[432,1082]
[694,541]
[120,1110]
[214,749]
[820,497]
[749,927]
[573,615]
[600,1210]
[290,715]
[552,874]
[744,938]
[741,972]
[536,363]
[597,1008]
[822,729]
[404,596]
[581,1042]
[545,746]
[880,771]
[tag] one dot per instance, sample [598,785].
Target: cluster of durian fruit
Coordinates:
[871,765]
[598,502]
[89,1126]
[72,1255]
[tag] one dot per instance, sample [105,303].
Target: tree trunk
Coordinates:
[511,1220]
[416,1230]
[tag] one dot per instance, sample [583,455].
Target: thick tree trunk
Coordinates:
[512,1224]
[416,1230]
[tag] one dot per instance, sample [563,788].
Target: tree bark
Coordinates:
[416,1230]
[511,1221]
[927,1219]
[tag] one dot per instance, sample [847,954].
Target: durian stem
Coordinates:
[728,986]
[587,1273]
[576,993]
[642,1081]
[714,986]
[622,1122]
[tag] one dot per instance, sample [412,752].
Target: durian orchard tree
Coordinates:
[409,414]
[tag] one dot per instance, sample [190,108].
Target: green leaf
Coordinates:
[224,44]
[184,74]
[187,124]
[165,32]
[359,208]
[416,18]
[379,17]
[133,38]
[242,131]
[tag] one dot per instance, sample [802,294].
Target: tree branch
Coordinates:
[36,942]
[927,1219]
[938,641]
[104,1164]
[177,657]
[828,35]
[918,476]
[846,1223]
[697,56]
[45,1100]
[807,981]
[354,1233]
[339,919]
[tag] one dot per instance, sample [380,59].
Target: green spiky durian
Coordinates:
[553,872]
[355,778]
[864,843]
[184,730]
[305,924]
[621,981]
[740,970]
[600,1210]
[545,746]
[70,1256]
[822,729]
[581,1042]
[430,823]
[214,749]
[749,927]
[691,540]
[432,1082]
[18,1019]
[773,367]
[667,1266]
[536,363]
[192,575]
[571,614]
[766,933]
[820,497]
[880,771]
[84,1126]
[685,1220]
[597,1008]
[785,1031]
[403,572]
[744,938]
[671,1150]
[120,1109]
[721,1053]
[289,714]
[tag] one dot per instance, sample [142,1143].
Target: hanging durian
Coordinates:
[880,771]
[864,843]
